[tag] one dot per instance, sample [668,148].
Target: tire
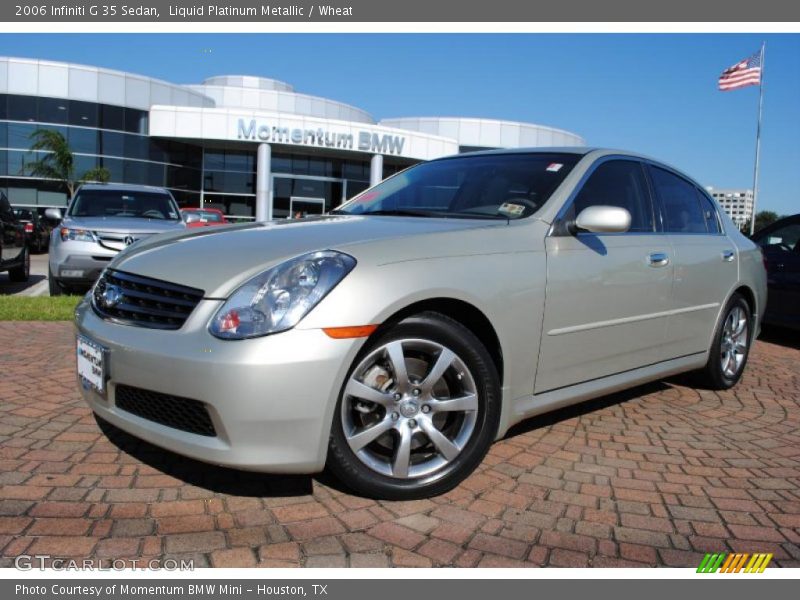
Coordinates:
[445,423]
[55,289]
[22,272]
[729,350]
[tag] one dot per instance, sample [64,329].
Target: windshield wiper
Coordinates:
[473,215]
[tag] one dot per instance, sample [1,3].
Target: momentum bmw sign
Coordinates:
[364,141]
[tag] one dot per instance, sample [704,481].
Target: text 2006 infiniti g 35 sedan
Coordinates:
[397,337]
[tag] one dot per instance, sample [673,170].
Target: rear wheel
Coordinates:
[730,346]
[418,411]
[23,271]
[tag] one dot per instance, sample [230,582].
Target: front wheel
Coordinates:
[730,346]
[54,287]
[418,411]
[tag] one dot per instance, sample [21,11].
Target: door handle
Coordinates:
[658,259]
[728,255]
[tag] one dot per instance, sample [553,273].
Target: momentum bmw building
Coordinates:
[250,146]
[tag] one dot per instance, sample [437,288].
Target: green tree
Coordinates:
[59,162]
[763,219]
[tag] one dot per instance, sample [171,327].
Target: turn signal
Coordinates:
[343,333]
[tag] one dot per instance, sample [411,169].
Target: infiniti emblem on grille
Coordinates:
[112,296]
[129,239]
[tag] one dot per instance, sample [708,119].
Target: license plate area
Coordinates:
[92,364]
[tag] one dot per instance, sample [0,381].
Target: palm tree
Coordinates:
[59,162]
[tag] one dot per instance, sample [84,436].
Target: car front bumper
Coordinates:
[77,263]
[271,399]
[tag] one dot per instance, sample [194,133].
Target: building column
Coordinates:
[264,183]
[376,170]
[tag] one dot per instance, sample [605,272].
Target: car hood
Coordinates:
[123,224]
[218,260]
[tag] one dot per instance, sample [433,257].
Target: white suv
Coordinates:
[101,220]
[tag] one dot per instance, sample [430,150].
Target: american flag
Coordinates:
[744,73]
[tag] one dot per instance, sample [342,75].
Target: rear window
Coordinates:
[124,203]
[682,211]
[206,215]
[709,213]
[23,214]
[485,186]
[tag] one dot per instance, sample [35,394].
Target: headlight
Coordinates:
[278,298]
[76,235]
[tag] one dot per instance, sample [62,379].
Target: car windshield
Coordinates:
[508,186]
[206,215]
[124,203]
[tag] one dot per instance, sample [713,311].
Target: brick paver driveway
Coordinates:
[654,476]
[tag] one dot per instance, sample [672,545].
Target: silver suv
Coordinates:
[101,220]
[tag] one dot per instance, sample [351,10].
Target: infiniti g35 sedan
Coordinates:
[397,337]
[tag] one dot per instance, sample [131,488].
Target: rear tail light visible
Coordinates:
[764,260]
[28,227]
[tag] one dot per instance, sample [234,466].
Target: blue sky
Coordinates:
[650,93]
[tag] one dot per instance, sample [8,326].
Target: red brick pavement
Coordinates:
[654,476]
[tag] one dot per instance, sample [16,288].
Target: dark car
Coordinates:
[780,243]
[14,255]
[37,228]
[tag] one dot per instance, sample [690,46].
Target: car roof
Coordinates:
[581,151]
[577,150]
[123,187]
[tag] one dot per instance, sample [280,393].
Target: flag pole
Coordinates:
[758,140]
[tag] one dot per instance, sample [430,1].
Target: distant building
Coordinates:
[737,203]
[249,146]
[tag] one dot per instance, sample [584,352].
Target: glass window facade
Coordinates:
[116,138]
[229,182]
[99,135]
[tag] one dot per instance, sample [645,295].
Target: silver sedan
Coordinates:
[396,338]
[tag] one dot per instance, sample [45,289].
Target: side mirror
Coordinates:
[191,218]
[604,219]
[53,213]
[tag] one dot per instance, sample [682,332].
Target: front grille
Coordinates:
[173,411]
[118,241]
[136,300]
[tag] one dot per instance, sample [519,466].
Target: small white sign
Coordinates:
[90,364]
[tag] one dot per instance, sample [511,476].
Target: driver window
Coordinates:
[617,183]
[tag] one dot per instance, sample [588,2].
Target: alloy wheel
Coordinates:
[409,408]
[733,345]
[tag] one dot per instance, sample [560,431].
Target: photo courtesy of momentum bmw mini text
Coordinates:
[433,295]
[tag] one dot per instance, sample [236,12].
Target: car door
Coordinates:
[606,294]
[705,261]
[781,247]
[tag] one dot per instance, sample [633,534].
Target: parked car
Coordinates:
[780,243]
[14,254]
[37,229]
[203,217]
[397,337]
[101,220]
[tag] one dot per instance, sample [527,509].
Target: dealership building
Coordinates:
[251,146]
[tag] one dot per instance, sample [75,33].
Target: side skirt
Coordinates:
[537,404]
